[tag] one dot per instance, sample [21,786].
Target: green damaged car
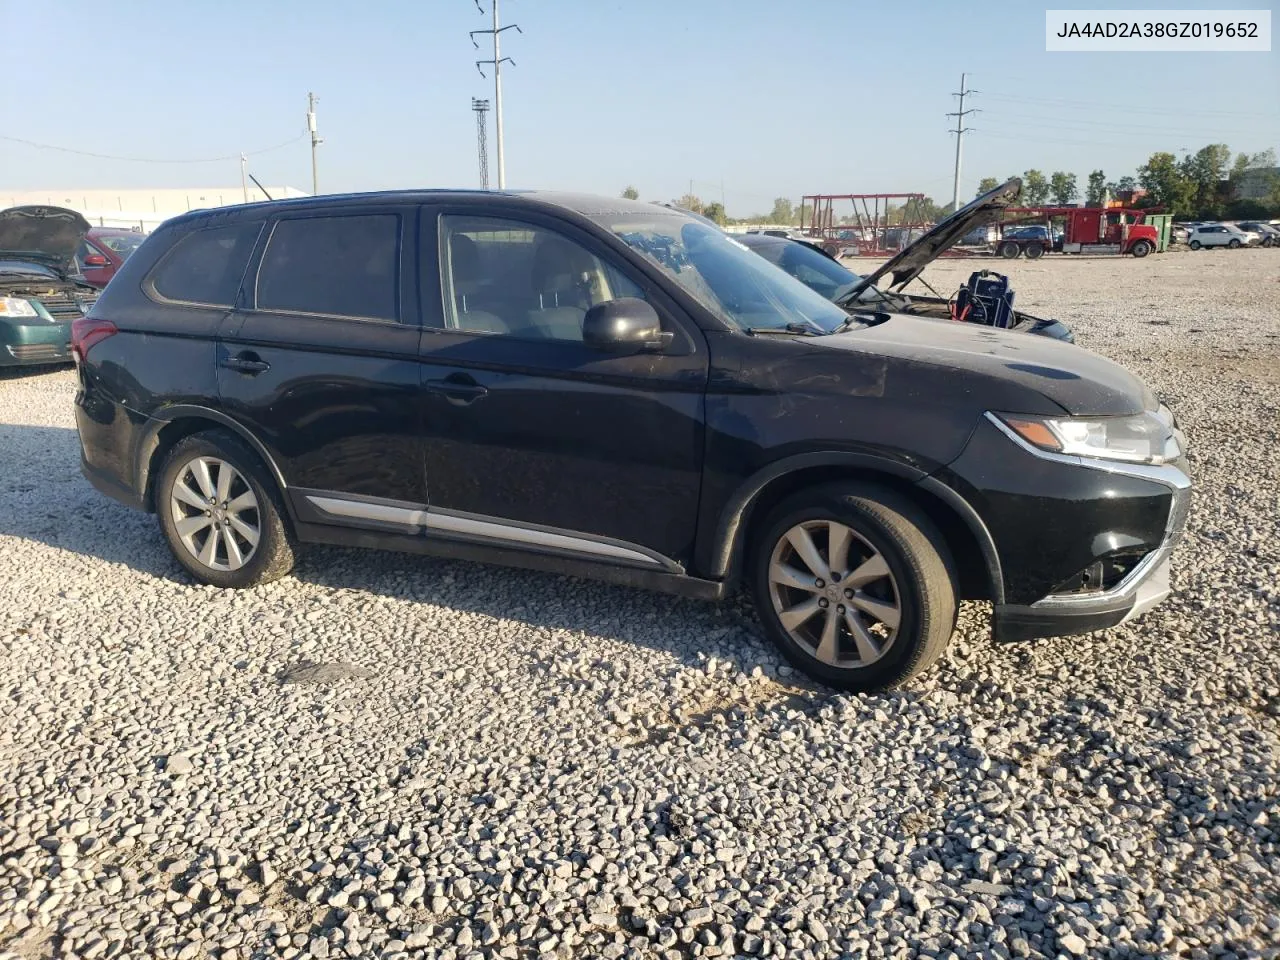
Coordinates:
[40,293]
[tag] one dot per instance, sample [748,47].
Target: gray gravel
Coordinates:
[391,756]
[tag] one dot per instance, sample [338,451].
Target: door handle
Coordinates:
[457,389]
[245,362]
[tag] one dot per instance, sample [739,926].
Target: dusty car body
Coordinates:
[40,294]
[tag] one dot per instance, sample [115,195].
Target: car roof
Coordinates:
[586,204]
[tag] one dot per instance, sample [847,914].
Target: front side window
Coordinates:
[740,287]
[205,266]
[520,279]
[342,266]
[121,243]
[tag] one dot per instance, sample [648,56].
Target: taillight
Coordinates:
[86,332]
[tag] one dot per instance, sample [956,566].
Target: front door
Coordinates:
[322,361]
[530,436]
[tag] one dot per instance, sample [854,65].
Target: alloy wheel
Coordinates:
[834,594]
[215,513]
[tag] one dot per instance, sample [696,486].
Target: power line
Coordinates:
[1142,129]
[108,156]
[960,130]
[1125,108]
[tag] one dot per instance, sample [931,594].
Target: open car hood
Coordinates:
[45,235]
[911,260]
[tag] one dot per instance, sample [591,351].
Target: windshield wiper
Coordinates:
[864,319]
[791,329]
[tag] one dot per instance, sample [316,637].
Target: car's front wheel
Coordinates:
[1233,243]
[1142,248]
[853,584]
[220,512]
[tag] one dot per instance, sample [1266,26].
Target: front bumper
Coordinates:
[1144,587]
[29,343]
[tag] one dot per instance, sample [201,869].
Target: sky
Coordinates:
[747,99]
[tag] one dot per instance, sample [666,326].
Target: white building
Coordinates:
[144,208]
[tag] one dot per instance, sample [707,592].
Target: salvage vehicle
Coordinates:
[1031,240]
[40,295]
[1221,235]
[984,299]
[103,251]
[607,388]
[1268,235]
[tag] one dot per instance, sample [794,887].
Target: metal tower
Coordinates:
[481,107]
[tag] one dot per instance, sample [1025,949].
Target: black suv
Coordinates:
[614,389]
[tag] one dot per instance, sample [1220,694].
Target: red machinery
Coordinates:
[869,233]
[1112,229]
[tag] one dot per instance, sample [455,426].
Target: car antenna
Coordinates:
[261,187]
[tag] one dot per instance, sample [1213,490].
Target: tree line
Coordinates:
[1204,185]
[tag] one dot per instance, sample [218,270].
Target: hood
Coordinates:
[911,260]
[45,235]
[1080,382]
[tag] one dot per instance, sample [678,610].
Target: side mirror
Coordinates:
[95,260]
[624,324]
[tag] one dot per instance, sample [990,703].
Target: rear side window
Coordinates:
[345,266]
[205,266]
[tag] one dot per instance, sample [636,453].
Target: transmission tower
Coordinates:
[497,61]
[481,107]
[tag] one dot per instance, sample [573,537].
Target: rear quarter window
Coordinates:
[205,266]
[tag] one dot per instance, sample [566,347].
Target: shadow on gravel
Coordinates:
[44,499]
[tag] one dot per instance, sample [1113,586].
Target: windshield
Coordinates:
[734,283]
[121,243]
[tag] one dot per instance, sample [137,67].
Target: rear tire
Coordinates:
[1141,248]
[887,604]
[1194,244]
[1008,250]
[221,513]
[1034,251]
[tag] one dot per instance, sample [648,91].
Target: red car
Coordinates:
[103,251]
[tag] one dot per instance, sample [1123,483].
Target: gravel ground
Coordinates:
[391,756]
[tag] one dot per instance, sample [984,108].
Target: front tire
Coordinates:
[1141,248]
[853,584]
[1233,243]
[220,512]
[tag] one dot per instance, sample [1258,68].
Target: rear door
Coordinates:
[321,362]
[531,438]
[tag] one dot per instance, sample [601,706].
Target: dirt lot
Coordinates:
[500,763]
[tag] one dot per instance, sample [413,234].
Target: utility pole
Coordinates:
[481,107]
[315,141]
[244,169]
[960,131]
[497,61]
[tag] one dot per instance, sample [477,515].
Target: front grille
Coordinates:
[37,352]
[62,307]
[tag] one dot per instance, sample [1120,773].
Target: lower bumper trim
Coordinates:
[1013,622]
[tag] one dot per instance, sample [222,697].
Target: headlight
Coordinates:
[16,307]
[1144,438]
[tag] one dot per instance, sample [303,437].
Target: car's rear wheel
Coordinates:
[220,512]
[1194,244]
[1142,248]
[1233,243]
[1009,250]
[853,584]
[1034,251]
